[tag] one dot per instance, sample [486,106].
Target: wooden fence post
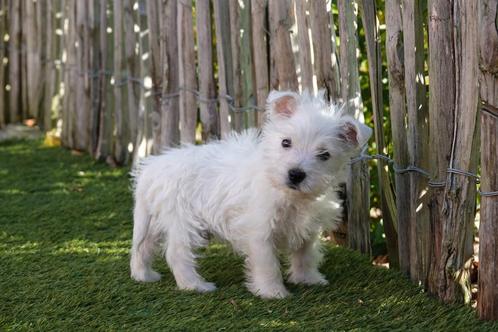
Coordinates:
[170,116]
[208,114]
[282,69]
[236,94]
[33,56]
[155,71]
[186,64]
[397,111]
[488,229]
[222,20]
[95,67]
[132,68]
[71,76]
[416,101]
[326,71]
[358,183]
[82,84]
[104,148]
[50,66]
[3,52]
[260,54]
[120,83]
[15,53]
[453,113]
[246,66]
[304,54]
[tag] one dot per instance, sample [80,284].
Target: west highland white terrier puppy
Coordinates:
[263,192]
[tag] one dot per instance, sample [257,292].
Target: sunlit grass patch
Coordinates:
[65,234]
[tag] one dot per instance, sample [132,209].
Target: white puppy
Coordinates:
[260,191]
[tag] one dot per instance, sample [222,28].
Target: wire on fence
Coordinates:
[124,79]
[411,168]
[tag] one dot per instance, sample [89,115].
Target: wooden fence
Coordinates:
[125,78]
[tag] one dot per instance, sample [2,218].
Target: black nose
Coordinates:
[296,175]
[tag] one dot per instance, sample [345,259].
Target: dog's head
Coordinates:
[308,142]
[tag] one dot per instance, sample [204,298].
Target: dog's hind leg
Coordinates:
[181,261]
[142,250]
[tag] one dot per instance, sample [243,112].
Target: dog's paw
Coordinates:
[201,286]
[146,276]
[308,278]
[269,291]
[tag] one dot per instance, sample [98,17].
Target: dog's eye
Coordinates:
[323,156]
[286,143]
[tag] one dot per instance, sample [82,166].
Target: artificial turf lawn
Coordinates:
[65,229]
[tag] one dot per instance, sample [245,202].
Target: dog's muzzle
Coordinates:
[296,176]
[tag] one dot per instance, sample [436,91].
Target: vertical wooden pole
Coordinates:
[326,71]
[104,148]
[33,56]
[153,11]
[283,70]
[246,65]
[260,54]
[186,65]
[488,229]
[133,70]
[82,84]
[120,83]
[94,78]
[460,94]
[397,108]
[15,45]
[236,70]
[144,140]
[71,76]
[358,199]
[50,67]
[301,7]
[170,116]
[3,48]
[413,42]
[208,114]
[224,55]
[387,201]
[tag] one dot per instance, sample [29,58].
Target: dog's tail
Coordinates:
[142,248]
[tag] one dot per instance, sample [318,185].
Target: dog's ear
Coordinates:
[353,133]
[282,104]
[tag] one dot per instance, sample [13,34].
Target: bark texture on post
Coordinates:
[222,19]
[450,279]
[397,111]
[15,78]
[260,54]
[208,113]
[326,71]
[236,70]
[120,82]
[3,48]
[488,228]
[416,105]
[133,70]
[104,147]
[186,65]
[304,54]
[283,69]
[33,56]
[358,199]
[155,70]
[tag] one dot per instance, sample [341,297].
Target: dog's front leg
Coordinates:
[304,264]
[264,275]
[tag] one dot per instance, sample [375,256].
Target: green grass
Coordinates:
[65,229]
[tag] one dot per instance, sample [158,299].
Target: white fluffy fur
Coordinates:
[237,189]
